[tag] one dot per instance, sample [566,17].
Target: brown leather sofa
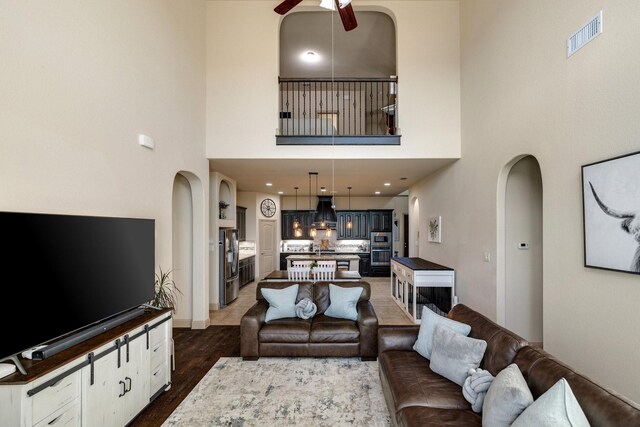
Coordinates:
[320,336]
[416,396]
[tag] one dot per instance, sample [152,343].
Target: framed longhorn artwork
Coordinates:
[611,210]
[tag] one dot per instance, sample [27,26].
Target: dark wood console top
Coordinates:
[420,264]
[37,368]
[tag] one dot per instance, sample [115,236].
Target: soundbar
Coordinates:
[84,334]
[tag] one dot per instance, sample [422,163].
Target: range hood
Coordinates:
[325,211]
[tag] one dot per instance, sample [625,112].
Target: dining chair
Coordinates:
[327,264]
[298,274]
[324,273]
[301,264]
[343,264]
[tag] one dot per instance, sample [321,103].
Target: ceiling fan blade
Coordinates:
[348,16]
[286,6]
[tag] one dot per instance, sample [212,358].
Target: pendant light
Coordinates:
[312,231]
[296,223]
[349,223]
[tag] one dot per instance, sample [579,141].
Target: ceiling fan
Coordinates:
[344,7]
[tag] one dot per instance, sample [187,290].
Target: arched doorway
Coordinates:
[520,258]
[188,250]
[414,228]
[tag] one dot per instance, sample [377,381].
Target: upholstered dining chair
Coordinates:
[300,274]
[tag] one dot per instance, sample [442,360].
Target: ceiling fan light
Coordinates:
[328,4]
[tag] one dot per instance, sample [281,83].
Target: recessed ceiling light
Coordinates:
[280,192]
[377,192]
[387,184]
[322,189]
[269,184]
[404,178]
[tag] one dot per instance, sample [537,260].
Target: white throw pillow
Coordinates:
[428,323]
[454,354]
[507,397]
[282,302]
[343,302]
[557,407]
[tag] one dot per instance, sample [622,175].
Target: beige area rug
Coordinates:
[286,392]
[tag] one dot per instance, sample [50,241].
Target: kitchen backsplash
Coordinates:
[332,244]
[247,247]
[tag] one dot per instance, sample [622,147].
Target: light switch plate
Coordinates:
[146,141]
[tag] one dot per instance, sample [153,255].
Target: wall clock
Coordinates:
[268,208]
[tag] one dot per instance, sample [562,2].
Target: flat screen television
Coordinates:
[69,272]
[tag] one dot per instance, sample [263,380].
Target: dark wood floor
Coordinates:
[196,352]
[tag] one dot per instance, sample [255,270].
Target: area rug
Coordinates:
[285,392]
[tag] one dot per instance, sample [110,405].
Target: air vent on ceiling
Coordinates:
[584,35]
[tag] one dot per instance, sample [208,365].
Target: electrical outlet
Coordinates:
[487,257]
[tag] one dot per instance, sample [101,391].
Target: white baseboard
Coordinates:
[182,323]
[200,324]
[214,306]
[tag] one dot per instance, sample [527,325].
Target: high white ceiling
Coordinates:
[367,51]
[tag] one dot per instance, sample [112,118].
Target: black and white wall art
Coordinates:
[611,208]
[434,224]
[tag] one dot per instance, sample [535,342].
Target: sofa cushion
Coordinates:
[556,407]
[321,293]
[507,397]
[294,330]
[420,416]
[412,383]
[305,289]
[502,344]
[454,354]
[428,324]
[342,302]
[331,330]
[602,407]
[282,302]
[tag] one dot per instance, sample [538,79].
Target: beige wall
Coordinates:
[79,81]
[242,80]
[521,95]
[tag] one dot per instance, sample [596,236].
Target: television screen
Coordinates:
[67,272]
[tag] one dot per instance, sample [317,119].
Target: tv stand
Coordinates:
[86,333]
[105,380]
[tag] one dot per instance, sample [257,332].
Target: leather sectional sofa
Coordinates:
[320,336]
[416,396]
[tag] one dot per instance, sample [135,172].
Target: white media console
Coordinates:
[104,381]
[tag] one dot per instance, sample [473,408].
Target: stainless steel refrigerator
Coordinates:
[229,255]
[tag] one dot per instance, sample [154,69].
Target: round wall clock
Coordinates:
[268,208]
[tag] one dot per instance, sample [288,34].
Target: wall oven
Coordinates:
[381,249]
[381,240]
[380,257]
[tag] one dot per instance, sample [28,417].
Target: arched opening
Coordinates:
[188,250]
[414,228]
[520,249]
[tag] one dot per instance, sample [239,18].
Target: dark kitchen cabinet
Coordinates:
[241,223]
[381,220]
[288,218]
[283,262]
[359,225]
[365,264]
[247,270]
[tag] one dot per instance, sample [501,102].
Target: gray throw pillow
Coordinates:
[454,354]
[507,397]
[282,302]
[428,324]
[557,407]
[343,302]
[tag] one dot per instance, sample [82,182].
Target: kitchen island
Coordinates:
[354,260]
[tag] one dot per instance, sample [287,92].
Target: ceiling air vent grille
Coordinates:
[584,35]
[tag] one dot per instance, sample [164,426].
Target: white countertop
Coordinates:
[245,255]
[322,257]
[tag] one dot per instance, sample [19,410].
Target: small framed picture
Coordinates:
[611,210]
[434,229]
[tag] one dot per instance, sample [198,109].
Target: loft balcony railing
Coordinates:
[342,111]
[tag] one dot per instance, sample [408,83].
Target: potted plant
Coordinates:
[166,291]
[223,205]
